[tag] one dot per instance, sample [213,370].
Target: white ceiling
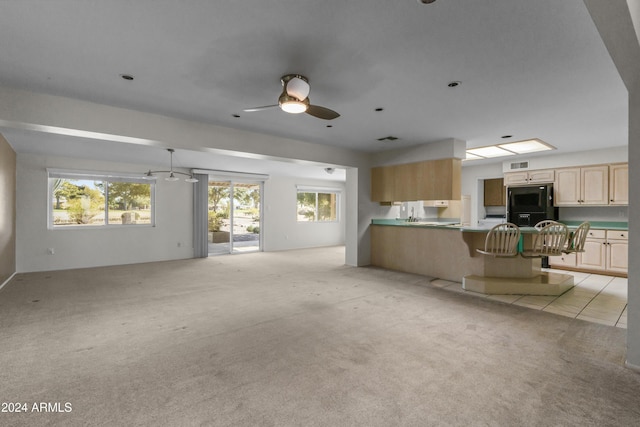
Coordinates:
[530,69]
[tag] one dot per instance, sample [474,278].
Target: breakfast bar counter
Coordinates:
[448,251]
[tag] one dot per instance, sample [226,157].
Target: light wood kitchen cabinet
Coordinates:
[582,186]
[541,176]
[564,260]
[428,180]
[605,250]
[617,251]
[383,184]
[436,203]
[405,182]
[619,184]
[494,192]
[595,253]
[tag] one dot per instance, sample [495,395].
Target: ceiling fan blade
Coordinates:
[264,107]
[322,112]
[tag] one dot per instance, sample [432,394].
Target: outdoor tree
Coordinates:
[326,206]
[85,205]
[126,195]
[217,193]
[241,194]
[254,196]
[67,190]
[307,205]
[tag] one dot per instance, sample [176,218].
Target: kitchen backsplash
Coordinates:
[594,213]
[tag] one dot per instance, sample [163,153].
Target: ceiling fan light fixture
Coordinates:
[293,105]
[296,85]
[172,174]
[172,177]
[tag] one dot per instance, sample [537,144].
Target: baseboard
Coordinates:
[590,271]
[8,280]
[632,366]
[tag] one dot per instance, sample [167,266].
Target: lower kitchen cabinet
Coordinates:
[604,251]
[618,251]
[595,251]
[565,260]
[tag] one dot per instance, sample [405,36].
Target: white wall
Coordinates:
[80,248]
[474,175]
[281,229]
[444,149]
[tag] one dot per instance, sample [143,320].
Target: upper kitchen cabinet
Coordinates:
[543,176]
[494,192]
[407,181]
[619,184]
[442,178]
[587,185]
[428,180]
[383,184]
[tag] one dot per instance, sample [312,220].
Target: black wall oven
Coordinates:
[528,205]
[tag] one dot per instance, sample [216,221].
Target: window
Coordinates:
[84,199]
[317,205]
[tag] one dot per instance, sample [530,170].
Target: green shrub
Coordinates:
[83,209]
[215,220]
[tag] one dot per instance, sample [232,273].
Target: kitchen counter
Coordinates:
[448,251]
[452,225]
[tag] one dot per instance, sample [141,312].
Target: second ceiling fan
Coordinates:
[295,99]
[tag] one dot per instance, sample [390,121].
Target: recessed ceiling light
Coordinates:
[329,126]
[127,76]
[506,136]
[528,146]
[379,109]
[454,84]
[426,1]
[236,115]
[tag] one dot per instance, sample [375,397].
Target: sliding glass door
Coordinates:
[234,216]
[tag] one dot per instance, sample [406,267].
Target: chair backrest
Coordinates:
[551,239]
[502,240]
[577,239]
[542,224]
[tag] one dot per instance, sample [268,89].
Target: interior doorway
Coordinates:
[234,217]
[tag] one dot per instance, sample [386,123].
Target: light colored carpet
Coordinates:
[297,338]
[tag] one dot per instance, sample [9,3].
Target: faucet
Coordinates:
[412,218]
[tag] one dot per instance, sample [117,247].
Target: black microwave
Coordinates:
[528,205]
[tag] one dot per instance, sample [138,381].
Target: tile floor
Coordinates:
[594,298]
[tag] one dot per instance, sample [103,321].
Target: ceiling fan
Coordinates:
[295,99]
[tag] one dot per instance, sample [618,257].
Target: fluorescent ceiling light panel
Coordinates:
[528,146]
[491,151]
[471,157]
